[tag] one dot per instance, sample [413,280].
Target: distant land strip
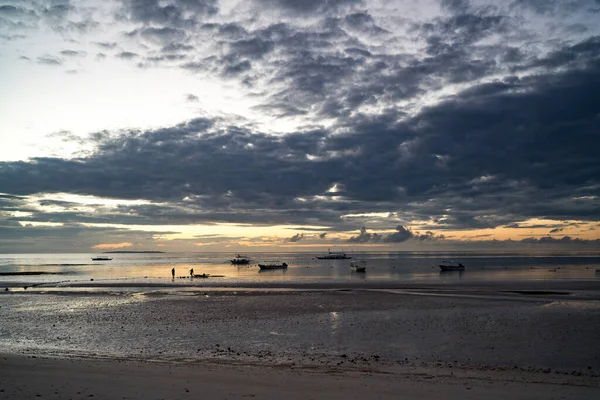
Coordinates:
[29,273]
[131,252]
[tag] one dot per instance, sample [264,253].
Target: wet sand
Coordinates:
[537,340]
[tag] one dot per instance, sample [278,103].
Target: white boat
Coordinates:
[101,258]
[451,266]
[334,256]
[358,266]
[272,265]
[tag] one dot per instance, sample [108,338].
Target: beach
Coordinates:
[28,378]
[302,340]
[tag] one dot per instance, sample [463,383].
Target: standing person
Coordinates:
[192,273]
[173,273]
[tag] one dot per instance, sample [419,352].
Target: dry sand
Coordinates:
[29,378]
[401,343]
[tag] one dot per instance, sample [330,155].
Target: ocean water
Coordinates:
[137,268]
[131,307]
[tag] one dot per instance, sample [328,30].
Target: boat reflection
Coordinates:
[273,271]
[451,274]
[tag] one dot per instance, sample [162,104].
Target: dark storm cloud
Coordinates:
[365,237]
[10,11]
[558,227]
[358,52]
[58,10]
[17,232]
[67,136]
[79,27]
[127,55]
[66,238]
[456,6]
[576,55]
[487,157]
[330,83]
[555,7]
[429,236]
[306,6]
[60,16]
[274,49]
[363,22]
[402,234]
[296,238]
[106,45]
[253,48]
[231,31]
[538,6]
[175,13]
[9,38]
[73,53]
[163,35]
[177,47]
[563,240]
[237,68]
[299,61]
[452,34]
[48,60]
[14,19]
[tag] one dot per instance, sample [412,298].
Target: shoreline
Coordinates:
[373,283]
[540,290]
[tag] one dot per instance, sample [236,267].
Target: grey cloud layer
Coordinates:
[495,153]
[471,118]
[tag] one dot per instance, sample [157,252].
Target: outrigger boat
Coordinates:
[272,265]
[240,260]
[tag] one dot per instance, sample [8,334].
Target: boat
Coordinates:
[452,266]
[208,276]
[101,258]
[272,265]
[240,260]
[358,266]
[334,256]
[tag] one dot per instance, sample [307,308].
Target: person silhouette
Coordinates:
[192,273]
[173,273]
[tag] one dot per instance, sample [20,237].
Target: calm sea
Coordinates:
[388,266]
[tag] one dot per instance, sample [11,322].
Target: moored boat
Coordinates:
[101,258]
[334,256]
[358,266]
[272,265]
[240,260]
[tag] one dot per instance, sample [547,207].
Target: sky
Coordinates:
[283,125]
